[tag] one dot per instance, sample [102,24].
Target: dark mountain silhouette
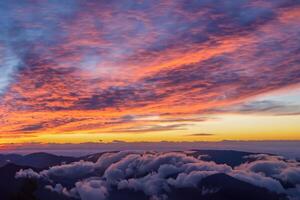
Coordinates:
[229,157]
[7,158]
[231,189]
[26,191]
[23,189]
[224,187]
[10,187]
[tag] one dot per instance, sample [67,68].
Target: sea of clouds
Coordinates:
[155,173]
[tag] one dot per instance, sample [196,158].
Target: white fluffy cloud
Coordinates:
[189,179]
[60,189]
[151,184]
[72,170]
[274,167]
[92,190]
[258,180]
[27,173]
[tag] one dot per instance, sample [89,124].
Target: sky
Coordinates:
[74,71]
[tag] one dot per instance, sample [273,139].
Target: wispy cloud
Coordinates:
[152,128]
[201,134]
[266,107]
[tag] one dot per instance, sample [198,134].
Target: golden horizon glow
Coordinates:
[225,127]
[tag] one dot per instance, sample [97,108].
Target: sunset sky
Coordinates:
[74,71]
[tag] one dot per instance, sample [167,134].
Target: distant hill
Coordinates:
[44,160]
[229,157]
[37,160]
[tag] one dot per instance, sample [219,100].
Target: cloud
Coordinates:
[92,190]
[58,188]
[184,180]
[259,180]
[201,134]
[72,170]
[107,159]
[151,184]
[290,174]
[266,107]
[9,65]
[27,173]
[151,128]
[143,164]
[77,66]
[31,128]
[156,174]
[262,156]
[275,167]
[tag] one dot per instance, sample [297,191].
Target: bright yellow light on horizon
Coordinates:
[225,127]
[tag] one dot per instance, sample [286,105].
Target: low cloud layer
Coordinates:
[156,174]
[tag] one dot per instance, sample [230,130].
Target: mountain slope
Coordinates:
[224,187]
